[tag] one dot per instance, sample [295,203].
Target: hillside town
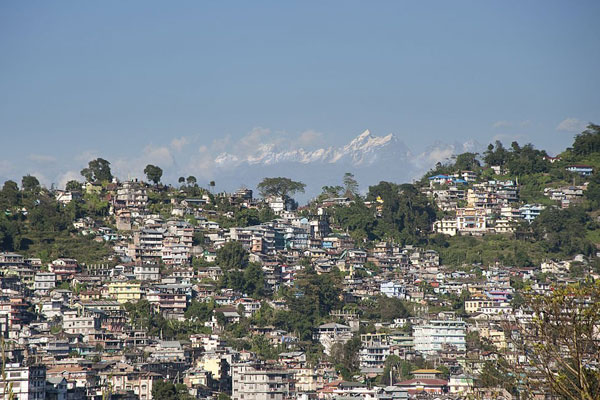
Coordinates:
[183,292]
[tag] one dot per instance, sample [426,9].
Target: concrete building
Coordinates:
[529,212]
[25,383]
[44,282]
[74,323]
[125,292]
[375,348]
[393,289]
[147,272]
[434,335]
[256,382]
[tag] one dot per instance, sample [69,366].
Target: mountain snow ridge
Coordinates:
[365,149]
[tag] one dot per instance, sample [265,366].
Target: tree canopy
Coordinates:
[98,170]
[153,173]
[280,187]
[588,141]
[232,255]
[30,183]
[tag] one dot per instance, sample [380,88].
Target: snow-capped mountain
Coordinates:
[369,157]
[365,149]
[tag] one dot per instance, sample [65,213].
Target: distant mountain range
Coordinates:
[370,158]
[363,150]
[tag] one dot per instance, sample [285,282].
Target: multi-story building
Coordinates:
[44,282]
[16,311]
[125,292]
[147,245]
[170,299]
[256,382]
[131,195]
[374,350]
[434,335]
[11,259]
[332,333]
[64,268]
[25,383]
[80,324]
[470,219]
[529,212]
[392,289]
[147,272]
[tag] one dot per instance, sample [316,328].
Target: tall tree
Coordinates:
[350,185]
[98,170]
[10,193]
[153,173]
[191,180]
[30,183]
[280,187]
[73,185]
[466,161]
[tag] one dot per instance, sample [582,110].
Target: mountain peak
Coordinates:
[364,135]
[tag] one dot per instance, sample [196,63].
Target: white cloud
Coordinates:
[502,124]
[42,178]
[68,176]
[160,156]
[571,125]
[87,156]
[525,124]
[179,143]
[309,138]
[201,164]
[41,158]
[133,167]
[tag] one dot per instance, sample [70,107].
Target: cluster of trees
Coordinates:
[142,315]
[167,390]
[34,223]
[349,188]
[587,142]
[399,212]
[238,272]
[519,160]
[563,231]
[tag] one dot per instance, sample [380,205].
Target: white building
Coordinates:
[529,212]
[73,323]
[147,272]
[44,281]
[392,289]
[433,335]
[26,383]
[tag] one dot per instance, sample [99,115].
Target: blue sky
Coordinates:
[174,83]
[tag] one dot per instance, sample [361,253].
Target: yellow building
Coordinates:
[473,306]
[212,364]
[125,292]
